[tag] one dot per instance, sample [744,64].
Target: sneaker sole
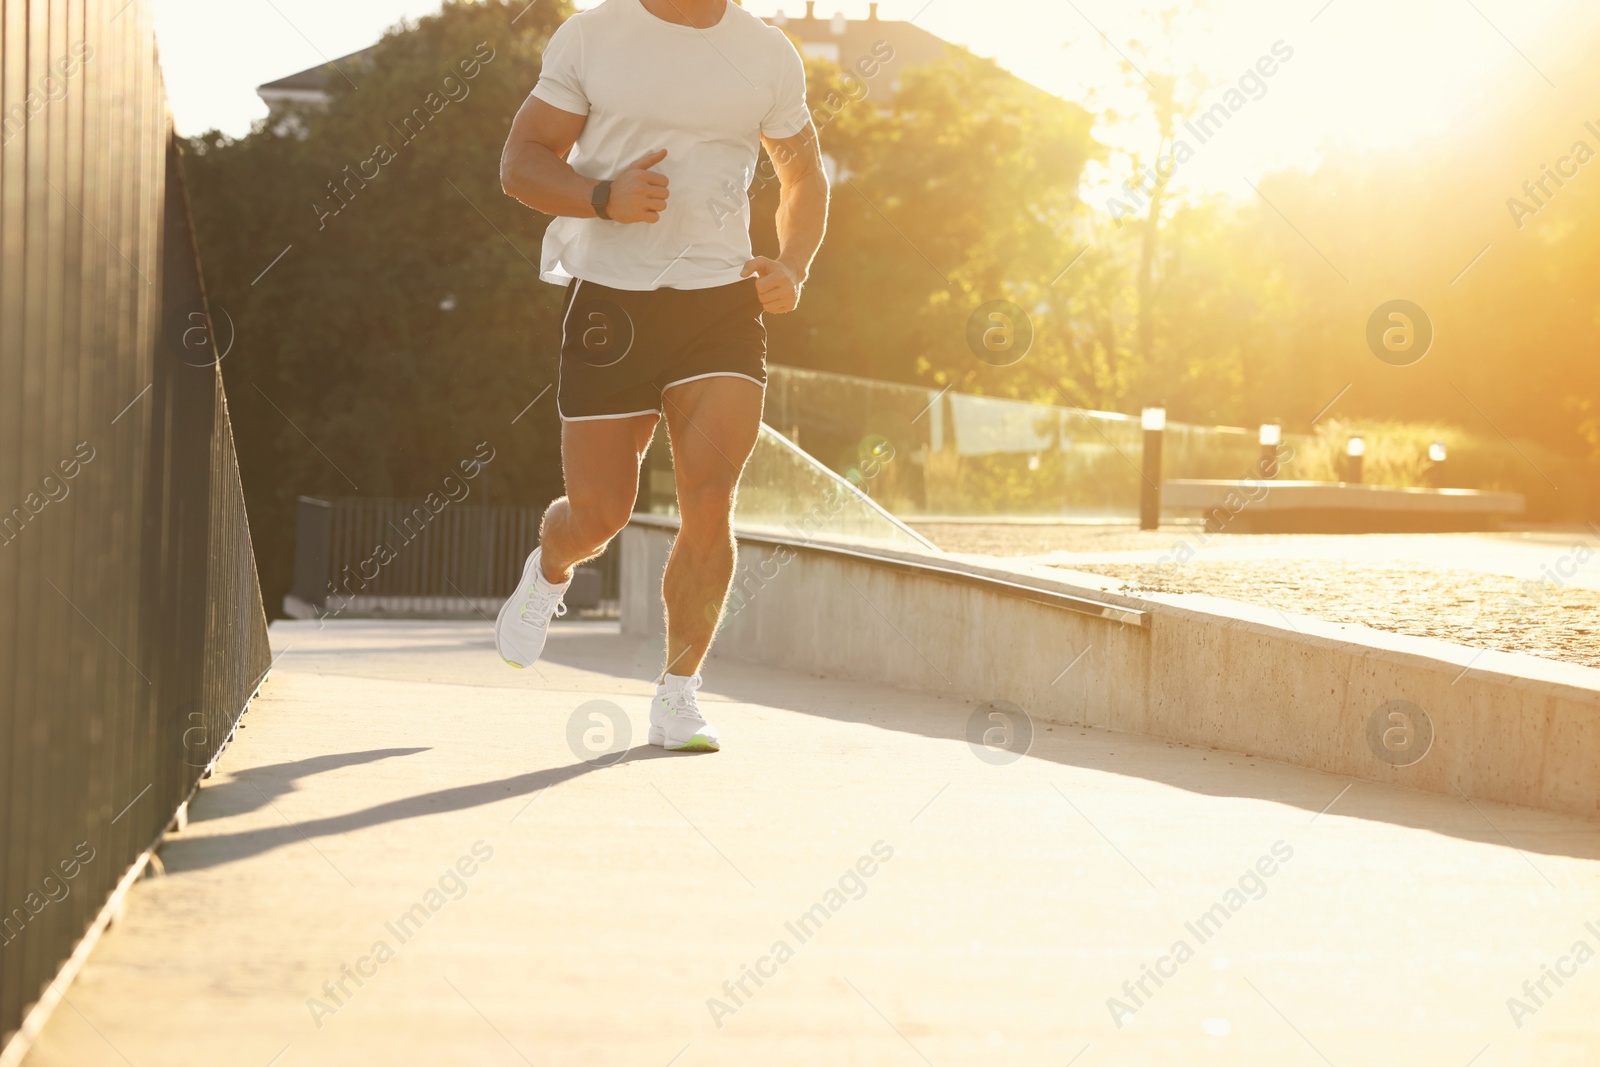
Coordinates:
[533,559]
[697,743]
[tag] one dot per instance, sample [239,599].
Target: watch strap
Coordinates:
[599,198]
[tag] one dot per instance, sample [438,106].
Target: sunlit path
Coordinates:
[401,860]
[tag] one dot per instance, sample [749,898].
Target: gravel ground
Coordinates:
[1471,589]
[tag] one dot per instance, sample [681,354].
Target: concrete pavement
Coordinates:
[408,857]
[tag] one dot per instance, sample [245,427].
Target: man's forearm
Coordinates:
[802,219]
[546,182]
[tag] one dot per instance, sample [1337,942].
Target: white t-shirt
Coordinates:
[706,96]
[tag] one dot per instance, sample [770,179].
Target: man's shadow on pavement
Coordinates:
[255,789]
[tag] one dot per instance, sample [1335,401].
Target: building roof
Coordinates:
[315,79]
[846,40]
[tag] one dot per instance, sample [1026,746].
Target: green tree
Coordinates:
[405,321]
[959,189]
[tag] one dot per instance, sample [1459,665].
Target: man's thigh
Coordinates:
[713,424]
[600,459]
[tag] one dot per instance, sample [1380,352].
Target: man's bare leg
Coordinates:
[712,424]
[600,460]
[600,464]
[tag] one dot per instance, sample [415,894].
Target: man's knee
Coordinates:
[598,521]
[706,505]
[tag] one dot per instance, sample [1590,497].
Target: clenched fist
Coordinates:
[776,284]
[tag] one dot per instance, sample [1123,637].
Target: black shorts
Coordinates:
[622,348]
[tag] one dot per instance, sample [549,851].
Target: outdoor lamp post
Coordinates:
[1154,422]
[1271,436]
[1354,451]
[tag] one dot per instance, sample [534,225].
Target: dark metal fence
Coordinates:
[131,626]
[358,556]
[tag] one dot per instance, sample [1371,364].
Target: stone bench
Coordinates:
[1336,507]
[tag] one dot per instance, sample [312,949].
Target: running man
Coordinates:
[642,137]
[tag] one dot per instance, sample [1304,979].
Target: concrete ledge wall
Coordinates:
[1511,729]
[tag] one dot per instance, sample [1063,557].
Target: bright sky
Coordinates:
[1367,73]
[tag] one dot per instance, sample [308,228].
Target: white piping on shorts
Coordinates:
[594,418]
[714,374]
[577,283]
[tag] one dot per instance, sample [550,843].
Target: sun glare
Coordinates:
[1359,74]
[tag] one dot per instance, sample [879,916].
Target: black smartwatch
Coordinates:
[600,198]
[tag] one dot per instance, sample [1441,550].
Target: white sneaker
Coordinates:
[524,620]
[676,723]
